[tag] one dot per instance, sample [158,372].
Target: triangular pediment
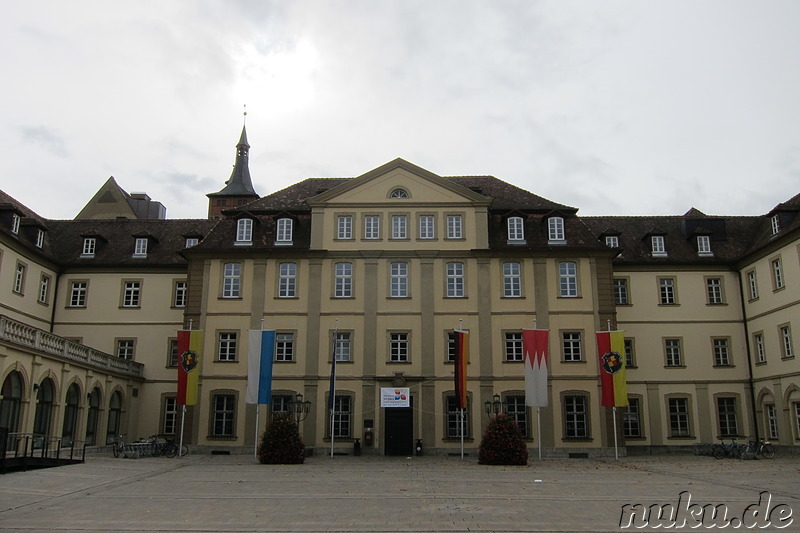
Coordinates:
[418,186]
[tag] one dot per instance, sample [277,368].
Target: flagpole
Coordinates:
[539,429]
[616,452]
[332,398]
[183,417]
[255,440]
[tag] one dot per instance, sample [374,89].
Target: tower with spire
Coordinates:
[238,189]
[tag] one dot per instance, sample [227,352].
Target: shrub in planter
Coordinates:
[503,443]
[281,442]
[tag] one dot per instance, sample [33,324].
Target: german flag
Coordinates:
[462,360]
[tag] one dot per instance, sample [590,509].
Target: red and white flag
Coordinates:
[534,349]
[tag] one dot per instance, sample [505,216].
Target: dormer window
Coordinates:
[89,246]
[555,230]
[776,224]
[140,250]
[244,231]
[704,245]
[516,231]
[284,231]
[398,194]
[657,247]
[612,241]
[15,219]
[39,238]
[191,241]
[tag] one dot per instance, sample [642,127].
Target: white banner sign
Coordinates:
[395,397]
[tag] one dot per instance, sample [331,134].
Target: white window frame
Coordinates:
[771,420]
[399,226]
[612,241]
[372,227]
[284,347]
[343,280]
[224,414]
[568,279]
[658,246]
[679,412]
[227,346]
[667,291]
[132,294]
[398,279]
[19,278]
[283,233]
[427,227]
[15,220]
[513,346]
[775,223]
[343,347]
[704,245]
[44,289]
[722,351]
[89,246]
[512,279]
[714,291]
[621,292]
[344,227]
[287,280]
[181,292]
[140,248]
[516,230]
[576,416]
[244,231]
[752,285]
[787,347]
[39,238]
[77,293]
[126,349]
[760,348]
[455,279]
[455,227]
[399,347]
[778,282]
[571,346]
[555,230]
[191,241]
[231,280]
[673,352]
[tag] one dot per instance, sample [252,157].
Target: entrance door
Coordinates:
[398,431]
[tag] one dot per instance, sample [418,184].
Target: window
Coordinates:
[455,280]
[796,408]
[571,343]
[456,424]
[678,417]
[787,350]
[672,350]
[512,286]
[244,231]
[426,227]
[454,227]
[372,227]
[181,290]
[89,247]
[172,353]
[576,416]
[398,280]
[170,415]
[568,279]
[231,273]
[226,346]
[721,352]
[126,348]
[342,349]
[621,291]
[223,412]
[631,420]
[19,279]
[281,403]
[398,194]
[513,341]
[771,419]
[44,289]
[657,246]
[287,280]
[39,238]
[704,245]
[284,233]
[344,227]
[15,223]
[761,353]
[515,408]
[131,293]
[777,274]
[775,222]
[342,416]
[555,230]
[140,249]
[284,347]
[516,232]
[752,285]
[191,241]
[343,282]
[77,294]
[726,412]
[714,291]
[630,353]
[398,347]
[399,227]
[666,291]
[612,241]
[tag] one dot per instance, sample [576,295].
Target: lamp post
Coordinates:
[299,408]
[495,407]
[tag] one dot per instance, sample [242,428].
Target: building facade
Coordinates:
[377,271]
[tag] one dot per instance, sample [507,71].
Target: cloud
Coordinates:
[45,138]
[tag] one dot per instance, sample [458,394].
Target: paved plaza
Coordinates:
[235,493]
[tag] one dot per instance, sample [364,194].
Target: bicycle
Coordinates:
[118,446]
[762,447]
[732,449]
[168,447]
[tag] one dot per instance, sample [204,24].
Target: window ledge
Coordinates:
[517,242]
[221,438]
[577,439]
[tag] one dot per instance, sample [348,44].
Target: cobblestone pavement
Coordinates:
[203,493]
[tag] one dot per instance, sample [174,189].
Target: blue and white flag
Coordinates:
[259,366]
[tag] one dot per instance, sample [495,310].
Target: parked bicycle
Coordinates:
[118,446]
[732,449]
[761,447]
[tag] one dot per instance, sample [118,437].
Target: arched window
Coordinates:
[92,419]
[284,232]
[70,416]
[244,230]
[11,394]
[44,411]
[114,417]
[398,194]
[516,231]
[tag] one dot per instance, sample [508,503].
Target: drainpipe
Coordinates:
[742,294]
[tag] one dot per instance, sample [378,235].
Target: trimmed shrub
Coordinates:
[503,443]
[281,443]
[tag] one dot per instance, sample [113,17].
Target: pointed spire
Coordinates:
[239,187]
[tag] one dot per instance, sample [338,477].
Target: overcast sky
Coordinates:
[614,107]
